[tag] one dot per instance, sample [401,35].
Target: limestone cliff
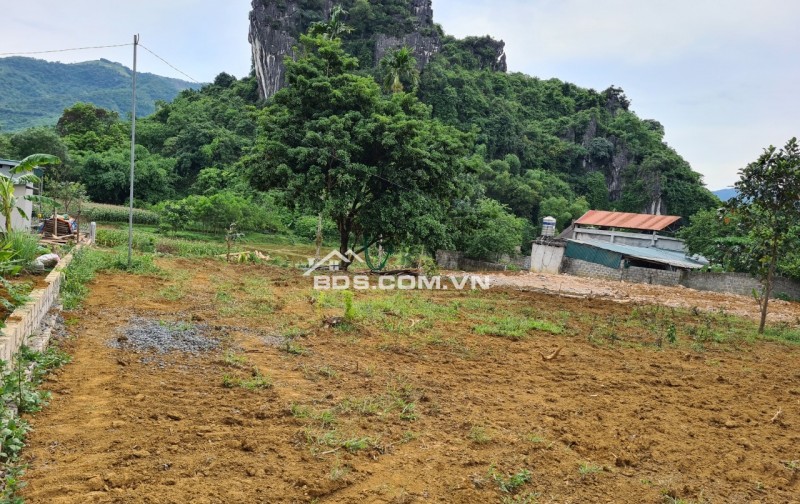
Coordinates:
[276,25]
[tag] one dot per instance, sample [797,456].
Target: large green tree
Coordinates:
[767,203]
[378,166]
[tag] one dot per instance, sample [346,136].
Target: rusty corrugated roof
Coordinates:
[642,222]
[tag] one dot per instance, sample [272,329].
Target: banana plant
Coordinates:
[8,200]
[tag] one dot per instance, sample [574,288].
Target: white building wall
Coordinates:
[546,258]
[18,223]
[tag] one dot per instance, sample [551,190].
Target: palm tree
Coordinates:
[335,26]
[8,200]
[399,65]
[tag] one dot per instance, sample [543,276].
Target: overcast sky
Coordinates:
[722,77]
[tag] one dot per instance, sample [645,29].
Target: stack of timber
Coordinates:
[63,228]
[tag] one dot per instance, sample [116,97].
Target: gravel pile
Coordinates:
[161,336]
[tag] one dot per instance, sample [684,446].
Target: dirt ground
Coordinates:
[411,402]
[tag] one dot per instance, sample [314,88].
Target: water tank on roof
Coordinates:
[549,226]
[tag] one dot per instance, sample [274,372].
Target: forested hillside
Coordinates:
[360,141]
[35,92]
[542,139]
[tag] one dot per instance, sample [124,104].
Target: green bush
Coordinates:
[24,247]
[306,227]
[490,230]
[217,212]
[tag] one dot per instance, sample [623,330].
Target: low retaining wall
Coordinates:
[25,319]
[730,283]
[739,283]
[453,260]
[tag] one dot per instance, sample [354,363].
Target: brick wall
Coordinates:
[26,318]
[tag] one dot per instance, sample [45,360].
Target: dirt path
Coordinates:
[678,297]
[409,405]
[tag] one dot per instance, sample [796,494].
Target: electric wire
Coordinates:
[170,64]
[16,53]
[50,51]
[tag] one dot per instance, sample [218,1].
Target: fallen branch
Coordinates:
[552,356]
[399,272]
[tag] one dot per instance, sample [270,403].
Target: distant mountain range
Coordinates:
[725,194]
[35,92]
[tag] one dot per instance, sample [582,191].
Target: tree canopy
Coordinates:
[767,203]
[378,166]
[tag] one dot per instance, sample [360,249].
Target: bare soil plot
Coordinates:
[424,397]
[678,297]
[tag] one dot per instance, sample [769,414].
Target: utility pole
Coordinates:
[133,152]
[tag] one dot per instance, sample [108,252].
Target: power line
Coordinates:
[62,50]
[169,64]
[24,53]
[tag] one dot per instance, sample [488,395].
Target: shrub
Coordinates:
[24,247]
[491,231]
[306,227]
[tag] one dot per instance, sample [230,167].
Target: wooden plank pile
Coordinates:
[63,228]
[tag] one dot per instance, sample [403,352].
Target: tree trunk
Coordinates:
[318,238]
[768,288]
[344,243]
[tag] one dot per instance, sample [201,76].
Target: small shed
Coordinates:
[21,190]
[619,256]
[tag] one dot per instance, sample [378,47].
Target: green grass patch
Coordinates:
[784,333]
[23,392]
[87,262]
[515,328]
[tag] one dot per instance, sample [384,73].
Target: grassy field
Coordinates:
[406,396]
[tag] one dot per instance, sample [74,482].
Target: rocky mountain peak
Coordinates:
[276,25]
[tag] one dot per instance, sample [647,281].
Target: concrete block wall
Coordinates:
[452,260]
[735,283]
[732,283]
[25,319]
[473,265]
[576,267]
[739,283]
[448,259]
[652,276]
[787,287]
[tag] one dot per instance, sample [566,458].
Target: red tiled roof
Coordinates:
[642,222]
